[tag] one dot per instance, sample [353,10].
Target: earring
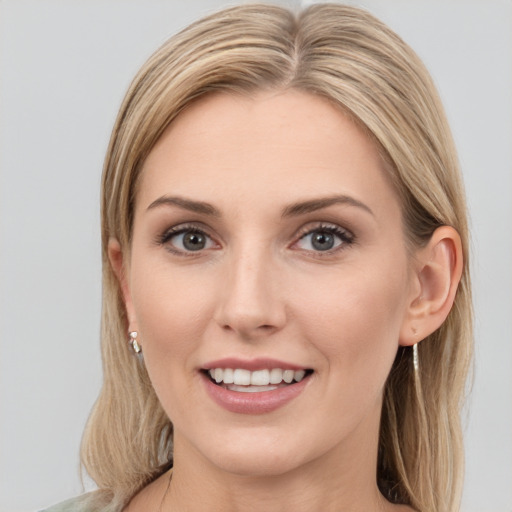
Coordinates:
[134,343]
[415,358]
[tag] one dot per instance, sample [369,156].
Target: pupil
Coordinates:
[194,241]
[322,241]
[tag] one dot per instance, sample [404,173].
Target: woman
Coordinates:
[285,249]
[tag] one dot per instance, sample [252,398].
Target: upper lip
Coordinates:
[261,363]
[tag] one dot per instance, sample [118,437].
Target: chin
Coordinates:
[264,465]
[258,454]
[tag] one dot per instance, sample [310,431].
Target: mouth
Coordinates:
[246,381]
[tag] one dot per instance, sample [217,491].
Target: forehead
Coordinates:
[268,148]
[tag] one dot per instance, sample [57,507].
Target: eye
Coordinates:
[186,239]
[324,238]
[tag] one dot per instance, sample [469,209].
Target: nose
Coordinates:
[252,301]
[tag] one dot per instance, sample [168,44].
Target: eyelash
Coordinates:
[174,231]
[345,236]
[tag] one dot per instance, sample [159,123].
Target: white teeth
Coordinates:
[228,376]
[288,376]
[240,377]
[276,376]
[260,378]
[251,389]
[299,375]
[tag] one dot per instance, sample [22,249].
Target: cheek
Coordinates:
[171,312]
[354,319]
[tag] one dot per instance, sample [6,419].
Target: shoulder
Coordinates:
[84,503]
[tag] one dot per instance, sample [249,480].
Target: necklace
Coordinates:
[166,491]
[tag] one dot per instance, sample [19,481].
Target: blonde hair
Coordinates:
[348,56]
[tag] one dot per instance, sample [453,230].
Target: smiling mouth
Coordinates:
[246,381]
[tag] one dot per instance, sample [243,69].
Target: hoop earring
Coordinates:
[415,358]
[134,343]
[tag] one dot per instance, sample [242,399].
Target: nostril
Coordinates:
[245,329]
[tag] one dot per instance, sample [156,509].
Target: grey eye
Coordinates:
[190,241]
[322,240]
[194,241]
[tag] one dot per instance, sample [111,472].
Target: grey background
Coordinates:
[64,67]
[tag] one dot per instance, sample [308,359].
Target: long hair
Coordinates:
[349,57]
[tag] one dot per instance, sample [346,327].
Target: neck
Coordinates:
[297,491]
[342,479]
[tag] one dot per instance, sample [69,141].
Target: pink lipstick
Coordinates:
[254,386]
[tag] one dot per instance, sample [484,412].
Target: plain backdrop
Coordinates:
[64,67]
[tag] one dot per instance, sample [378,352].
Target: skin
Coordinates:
[260,288]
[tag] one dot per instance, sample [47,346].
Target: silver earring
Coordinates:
[134,343]
[415,358]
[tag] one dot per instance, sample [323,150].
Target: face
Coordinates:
[268,280]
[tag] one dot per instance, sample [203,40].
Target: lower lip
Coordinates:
[253,403]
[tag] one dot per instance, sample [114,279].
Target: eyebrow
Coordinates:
[187,204]
[304,207]
[293,210]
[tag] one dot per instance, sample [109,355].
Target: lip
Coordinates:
[253,403]
[261,363]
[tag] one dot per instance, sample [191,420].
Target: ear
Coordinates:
[436,276]
[119,262]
